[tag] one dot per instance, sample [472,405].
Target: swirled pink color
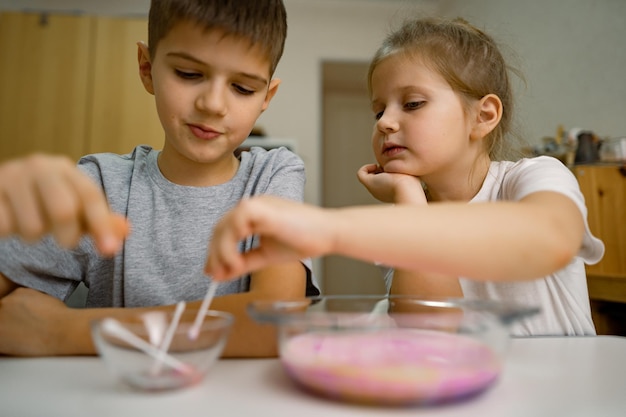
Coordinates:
[395,366]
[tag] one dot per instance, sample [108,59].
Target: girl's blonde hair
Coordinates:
[467,58]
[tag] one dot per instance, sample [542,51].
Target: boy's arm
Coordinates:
[33,323]
[36,324]
[6,285]
[45,194]
[249,338]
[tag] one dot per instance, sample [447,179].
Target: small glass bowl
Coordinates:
[129,347]
[396,350]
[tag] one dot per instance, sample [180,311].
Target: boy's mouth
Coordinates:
[203,132]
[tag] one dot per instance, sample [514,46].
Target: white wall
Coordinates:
[323,30]
[571,52]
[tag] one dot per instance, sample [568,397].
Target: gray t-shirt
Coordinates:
[171,225]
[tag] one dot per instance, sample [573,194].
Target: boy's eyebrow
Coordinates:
[188,57]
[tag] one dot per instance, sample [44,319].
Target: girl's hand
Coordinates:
[288,231]
[391,187]
[43,194]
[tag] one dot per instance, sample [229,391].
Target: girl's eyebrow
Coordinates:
[408,89]
[188,57]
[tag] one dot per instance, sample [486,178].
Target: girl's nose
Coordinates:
[387,123]
[212,100]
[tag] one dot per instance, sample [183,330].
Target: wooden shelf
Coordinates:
[607,288]
[604,188]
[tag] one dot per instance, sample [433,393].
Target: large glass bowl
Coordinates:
[131,347]
[396,350]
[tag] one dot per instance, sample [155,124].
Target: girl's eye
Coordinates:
[412,105]
[188,75]
[378,115]
[243,90]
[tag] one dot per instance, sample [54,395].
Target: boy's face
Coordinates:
[209,91]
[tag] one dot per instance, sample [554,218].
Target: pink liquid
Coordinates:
[394,366]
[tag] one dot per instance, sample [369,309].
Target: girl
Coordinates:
[442,101]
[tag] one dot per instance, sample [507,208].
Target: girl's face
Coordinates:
[421,127]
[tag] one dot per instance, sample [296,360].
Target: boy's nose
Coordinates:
[212,100]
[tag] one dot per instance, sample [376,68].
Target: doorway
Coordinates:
[347,122]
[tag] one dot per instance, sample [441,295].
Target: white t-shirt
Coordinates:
[562,296]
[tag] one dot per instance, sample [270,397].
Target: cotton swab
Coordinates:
[115,328]
[194,330]
[167,338]
[156,324]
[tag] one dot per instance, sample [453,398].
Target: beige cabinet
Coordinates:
[44,83]
[70,84]
[604,188]
[122,114]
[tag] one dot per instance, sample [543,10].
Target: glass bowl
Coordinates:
[396,350]
[134,348]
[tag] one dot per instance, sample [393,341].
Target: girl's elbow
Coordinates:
[563,251]
[563,258]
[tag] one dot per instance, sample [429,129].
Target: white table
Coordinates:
[575,376]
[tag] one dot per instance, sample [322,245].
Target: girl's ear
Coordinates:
[488,115]
[145,66]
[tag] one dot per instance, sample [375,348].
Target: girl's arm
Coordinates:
[497,241]
[408,190]
[501,241]
[406,282]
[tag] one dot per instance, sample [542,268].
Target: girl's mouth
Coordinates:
[392,150]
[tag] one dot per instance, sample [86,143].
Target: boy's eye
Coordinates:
[243,90]
[187,75]
[412,105]
[378,115]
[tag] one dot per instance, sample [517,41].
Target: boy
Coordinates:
[209,65]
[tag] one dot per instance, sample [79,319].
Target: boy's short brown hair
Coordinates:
[263,22]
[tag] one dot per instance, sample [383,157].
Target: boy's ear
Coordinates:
[145,66]
[488,115]
[271,91]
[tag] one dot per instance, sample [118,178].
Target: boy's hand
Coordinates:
[30,323]
[43,194]
[391,187]
[288,231]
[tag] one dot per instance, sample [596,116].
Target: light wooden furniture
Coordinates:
[70,85]
[604,188]
[44,79]
[122,114]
